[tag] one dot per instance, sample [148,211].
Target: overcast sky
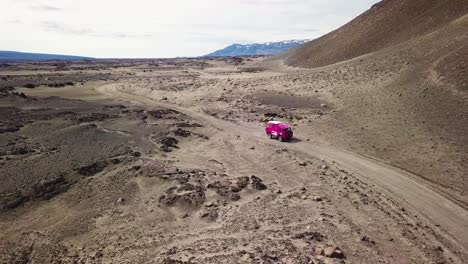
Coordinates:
[164,28]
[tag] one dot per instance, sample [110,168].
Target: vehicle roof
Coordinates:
[280,124]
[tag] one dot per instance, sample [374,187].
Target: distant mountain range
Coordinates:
[269,48]
[13,55]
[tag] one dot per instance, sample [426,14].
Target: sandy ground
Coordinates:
[167,162]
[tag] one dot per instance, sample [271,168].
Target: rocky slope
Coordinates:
[386,24]
[397,77]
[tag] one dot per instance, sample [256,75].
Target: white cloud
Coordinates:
[45,7]
[156,28]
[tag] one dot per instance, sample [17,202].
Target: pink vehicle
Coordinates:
[281,131]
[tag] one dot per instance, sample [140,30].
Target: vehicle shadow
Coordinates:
[294,140]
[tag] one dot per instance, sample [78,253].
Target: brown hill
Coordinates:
[397,76]
[387,23]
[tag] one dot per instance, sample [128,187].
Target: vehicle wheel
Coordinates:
[269,136]
[280,138]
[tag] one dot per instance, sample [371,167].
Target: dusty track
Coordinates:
[451,218]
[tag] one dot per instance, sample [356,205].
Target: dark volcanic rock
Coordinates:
[188,125]
[21,150]
[49,188]
[243,182]
[163,113]
[6,127]
[94,117]
[235,189]
[316,236]
[168,143]
[270,114]
[333,252]
[234,197]
[211,215]
[182,133]
[257,183]
[136,154]
[221,188]
[92,169]
[176,261]
[115,107]
[12,200]
[29,85]
[12,119]
[187,194]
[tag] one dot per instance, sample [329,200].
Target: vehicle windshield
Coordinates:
[287,129]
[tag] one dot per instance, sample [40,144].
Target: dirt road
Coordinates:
[451,218]
[187,175]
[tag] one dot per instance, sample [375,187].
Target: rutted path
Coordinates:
[451,218]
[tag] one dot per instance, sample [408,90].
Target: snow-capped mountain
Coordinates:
[268,48]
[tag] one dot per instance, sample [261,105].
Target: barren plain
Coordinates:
[166,161]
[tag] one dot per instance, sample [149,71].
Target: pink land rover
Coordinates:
[281,131]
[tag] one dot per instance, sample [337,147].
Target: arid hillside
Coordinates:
[387,23]
[397,76]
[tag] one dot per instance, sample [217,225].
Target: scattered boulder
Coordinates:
[136,154]
[211,204]
[168,143]
[210,215]
[270,114]
[333,252]
[366,240]
[182,133]
[281,150]
[187,194]
[22,95]
[115,161]
[315,236]
[257,183]
[235,188]
[317,199]
[242,182]
[234,197]
[221,187]
[30,85]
